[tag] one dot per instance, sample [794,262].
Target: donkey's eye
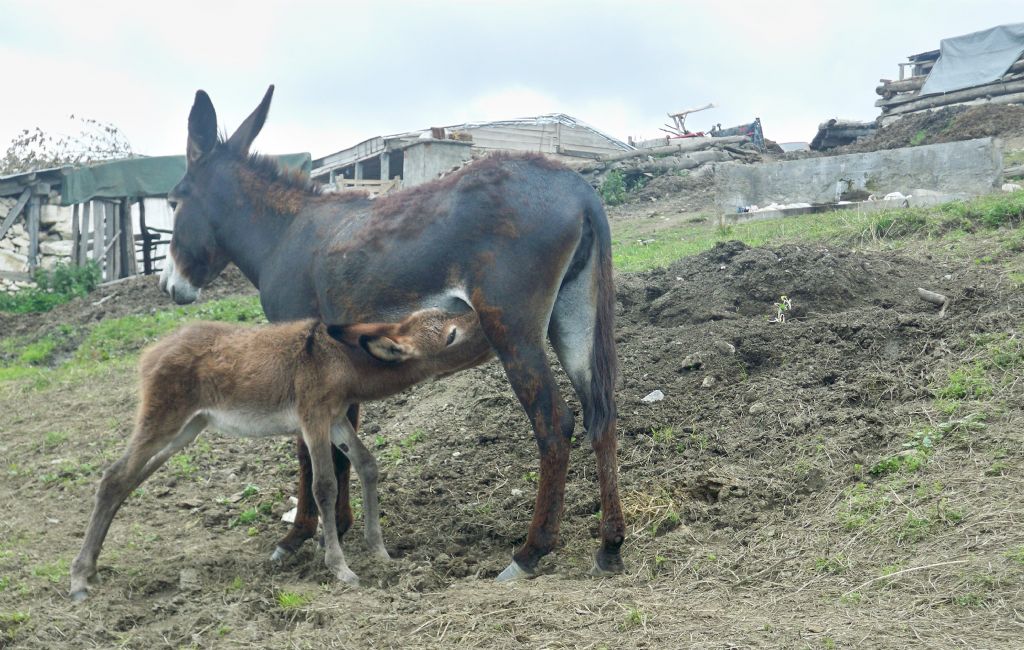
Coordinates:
[451,336]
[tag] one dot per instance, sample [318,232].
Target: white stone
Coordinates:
[6,244]
[62,248]
[1011,187]
[20,241]
[653,396]
[10,261]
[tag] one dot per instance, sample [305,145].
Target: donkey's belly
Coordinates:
[253,423]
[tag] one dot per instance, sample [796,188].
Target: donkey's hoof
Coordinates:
[381,554]
[79,595]
[607,564]
[513,572]
[347,576]
[279,555]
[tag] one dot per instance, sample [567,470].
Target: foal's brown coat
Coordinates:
[275,380]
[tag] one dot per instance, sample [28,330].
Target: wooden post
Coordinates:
[74,235]
[113,216]
[83,244]
[147,256]
[33,233]
[99,234]
[127,245]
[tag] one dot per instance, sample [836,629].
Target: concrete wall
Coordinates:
[425,160]
[971,167]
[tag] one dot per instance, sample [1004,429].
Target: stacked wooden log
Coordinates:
[904,96]
[682,154]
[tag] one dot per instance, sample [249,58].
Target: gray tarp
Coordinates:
[975,59]
[140,177]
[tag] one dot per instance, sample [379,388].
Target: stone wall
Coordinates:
[55,243]
[972,167]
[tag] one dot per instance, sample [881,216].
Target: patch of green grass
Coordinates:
[53,572]
[122,336]
[634,618]
[248,516]
[11,622]
[37,353]
[1016,555]
[663,435]
[289,600]
[918,138]
[182,464]
[835,565]
[54,438]
[69,472]
[633,252]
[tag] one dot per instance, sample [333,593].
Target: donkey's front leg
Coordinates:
[316,431]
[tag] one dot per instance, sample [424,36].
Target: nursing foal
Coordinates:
[273,380]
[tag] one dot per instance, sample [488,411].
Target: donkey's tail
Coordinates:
[599,419]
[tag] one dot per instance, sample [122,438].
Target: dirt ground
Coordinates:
[752,519]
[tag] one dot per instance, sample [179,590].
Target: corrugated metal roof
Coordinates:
[548,118]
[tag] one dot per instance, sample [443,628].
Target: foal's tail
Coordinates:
[599,419]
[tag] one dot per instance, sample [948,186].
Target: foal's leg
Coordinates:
[304,526]
[344,436]
[154,441]
[316,431]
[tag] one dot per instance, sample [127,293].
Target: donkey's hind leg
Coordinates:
[583,340]
[150,446]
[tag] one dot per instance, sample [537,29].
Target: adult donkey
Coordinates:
[521,240]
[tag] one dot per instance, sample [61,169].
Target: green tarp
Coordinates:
[140,177]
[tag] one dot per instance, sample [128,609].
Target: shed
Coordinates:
[383,162]
[114,213]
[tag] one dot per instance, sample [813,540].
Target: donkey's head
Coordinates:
[425,334]
[197,255]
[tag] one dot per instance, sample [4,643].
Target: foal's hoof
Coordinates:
[279,555]
[513,572]
[79,595]
[381,554]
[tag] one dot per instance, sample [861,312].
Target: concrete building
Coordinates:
[407,159]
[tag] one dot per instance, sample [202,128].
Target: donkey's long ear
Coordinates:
[202,127]
[242,138]
[377,339]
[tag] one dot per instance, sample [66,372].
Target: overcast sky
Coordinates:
[349,71]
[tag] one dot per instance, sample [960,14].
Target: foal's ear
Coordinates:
[202,128]
[242,138]
[377,339]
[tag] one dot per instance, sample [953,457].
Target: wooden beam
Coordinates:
[33,234]
[941,99]
[13,213]
[147,255]
[938,101]
[99,230]
[74,235]
[82,243]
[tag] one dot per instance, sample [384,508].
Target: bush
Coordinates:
[62,284]
[613,189]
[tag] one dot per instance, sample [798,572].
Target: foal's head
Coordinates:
[425,334]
